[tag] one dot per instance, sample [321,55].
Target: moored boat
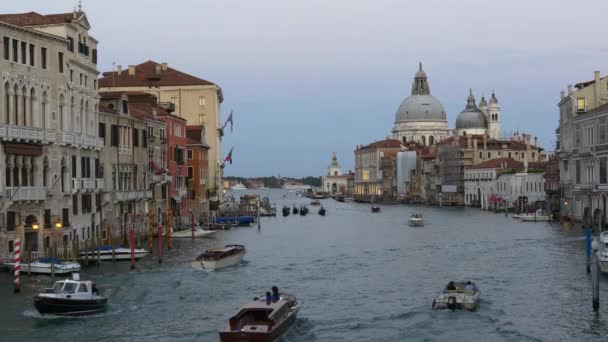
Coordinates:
[602,253]
[187,233]
[458,295]
[70,298]
[216,258]
[47,266]
[295,210]
[240,220]
[303,210]
[263,319]
[105,253]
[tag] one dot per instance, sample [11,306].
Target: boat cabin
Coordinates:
[258,316]
[73,288]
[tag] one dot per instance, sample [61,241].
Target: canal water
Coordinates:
[362,277]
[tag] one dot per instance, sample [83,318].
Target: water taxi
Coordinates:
[458,295]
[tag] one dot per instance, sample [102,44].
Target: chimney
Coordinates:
[596,89]
[158,69]
[120,69]
[536,141]
[164,66]
[569,89]
[562,95]
[131,70]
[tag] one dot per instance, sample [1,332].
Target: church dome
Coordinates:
[471,116]
[420,105]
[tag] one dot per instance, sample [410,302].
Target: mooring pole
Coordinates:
[595,276]
[160,241]
[17,265]
[259,224]
[192,219]
[150,237]
[588,249]
[132,246]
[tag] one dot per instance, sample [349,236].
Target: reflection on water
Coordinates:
[362,277]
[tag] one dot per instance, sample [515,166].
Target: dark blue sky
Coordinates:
[307,78]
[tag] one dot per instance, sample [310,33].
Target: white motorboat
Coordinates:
[239,186]
[264,319]
[458,295]
[416,220]
[602,253]
[187,233]
[70,297]
[43,266]
[217,258]
[120,253]
[538,215]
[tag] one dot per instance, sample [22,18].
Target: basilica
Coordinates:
[421,118]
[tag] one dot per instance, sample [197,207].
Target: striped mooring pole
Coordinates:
[17,264]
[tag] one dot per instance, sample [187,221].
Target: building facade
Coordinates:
[334,181]
[197,161]
[48,129]
[376,170]
[195,100]
[176,167]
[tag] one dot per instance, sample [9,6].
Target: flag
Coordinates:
[229,120]
[229,156]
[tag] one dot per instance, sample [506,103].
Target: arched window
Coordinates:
[45,171]
[16,104]
[43,107]
[61,104]
[7,102]
[431,140]
[31,109]
[24,106]
[423,139]
[11,246]
[404,140]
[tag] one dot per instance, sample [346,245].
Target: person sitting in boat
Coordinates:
[451,286]
[469,287]
[275,294]
[95,290]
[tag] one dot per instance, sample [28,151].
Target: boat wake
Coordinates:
[36,315]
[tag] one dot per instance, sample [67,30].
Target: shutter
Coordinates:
[10,220]
[102,130]
[135,137]
[74,167]
[83,167]
[65,217]
[144,138]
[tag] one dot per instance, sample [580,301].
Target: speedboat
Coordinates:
[239,186]
[43,266]
[458,295]
[213,259]
[187,233]
[538,215]
[375,209]
[315,202]
[322,211]
[120,253]
[286,210]
[602,253]
[416,220]
[263,319]
[70,297]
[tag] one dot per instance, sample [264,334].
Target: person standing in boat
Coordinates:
[275,294]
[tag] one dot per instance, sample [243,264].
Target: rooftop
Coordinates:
[387,143]
[37,19]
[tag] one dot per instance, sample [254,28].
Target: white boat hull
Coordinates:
[44,268]
[217,264]
[185,234]
[535,218]
[119,254]
[416,222]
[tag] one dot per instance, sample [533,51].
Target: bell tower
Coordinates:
[494,118]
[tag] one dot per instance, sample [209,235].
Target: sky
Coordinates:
[306,78]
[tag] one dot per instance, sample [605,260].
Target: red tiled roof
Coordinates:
[143,110]
[37,19]
[145,75]
[387,143]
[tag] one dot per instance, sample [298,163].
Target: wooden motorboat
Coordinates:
[315,202]
[47,266]
[120,253]
[262,320]
[187,233]
[416,220]
[70,298]
[458,295]
[216,258]
[375,209]
[322,211]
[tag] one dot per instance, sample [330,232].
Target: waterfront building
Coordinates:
[335,181]
[376,170]
[583,151]
[128,122]
[429,185]
[552,189]
[48,127]
[503,180]
[420,117]
[196,100]
[197,161]
[407,182]
[176,166]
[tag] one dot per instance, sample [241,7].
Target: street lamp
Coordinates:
[35,226]
[58,224]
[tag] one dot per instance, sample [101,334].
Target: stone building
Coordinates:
[420,117]
[196,100]
[127,122]
[48,128]
[376,170]
[335,181]
[583,150]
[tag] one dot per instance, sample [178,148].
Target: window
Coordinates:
[15,50]
[94,57]
[174,99]
[94,84]
[65,216]
[83,288]
[580,104]
[201,101]
[189,154]
[74,167]
[201,118]
[87,203]
[43,57]
[47,219]
[7,48]
[577,170]
[135,137]
[114,135]
[509,154]
[71,75]
[162,134]
[603,178]
[80,78]
[480,154]
[32,55]
[190,172]
[144,139]
[489,155]
[83,167]
[60,61]
[125,106]
[23,52]
[365,175]
[10,220]
[102,130]
[177,130]
[86,81]
[98,171]
[577,135]
[75,204]
[602,132]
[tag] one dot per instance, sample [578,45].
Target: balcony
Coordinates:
[89,184]
[99,184]
[182,192]
[26,193]
[164,178]
[78,140]
[132,195]
[26,134]
[66,138]
[124,149]
[76,184]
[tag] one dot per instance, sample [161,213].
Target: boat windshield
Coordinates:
[57,287]
[69,287]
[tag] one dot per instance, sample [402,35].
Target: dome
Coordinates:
[420,108]
[471,116]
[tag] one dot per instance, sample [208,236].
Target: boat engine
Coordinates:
[451,303]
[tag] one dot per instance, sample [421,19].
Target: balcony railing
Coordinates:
[132,195]
[124,149]
[26,193]
[99,184]
[182,192]
[26,133]
[89,184]
[75,139]
[76,184]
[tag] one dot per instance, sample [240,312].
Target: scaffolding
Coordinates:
[451,173]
